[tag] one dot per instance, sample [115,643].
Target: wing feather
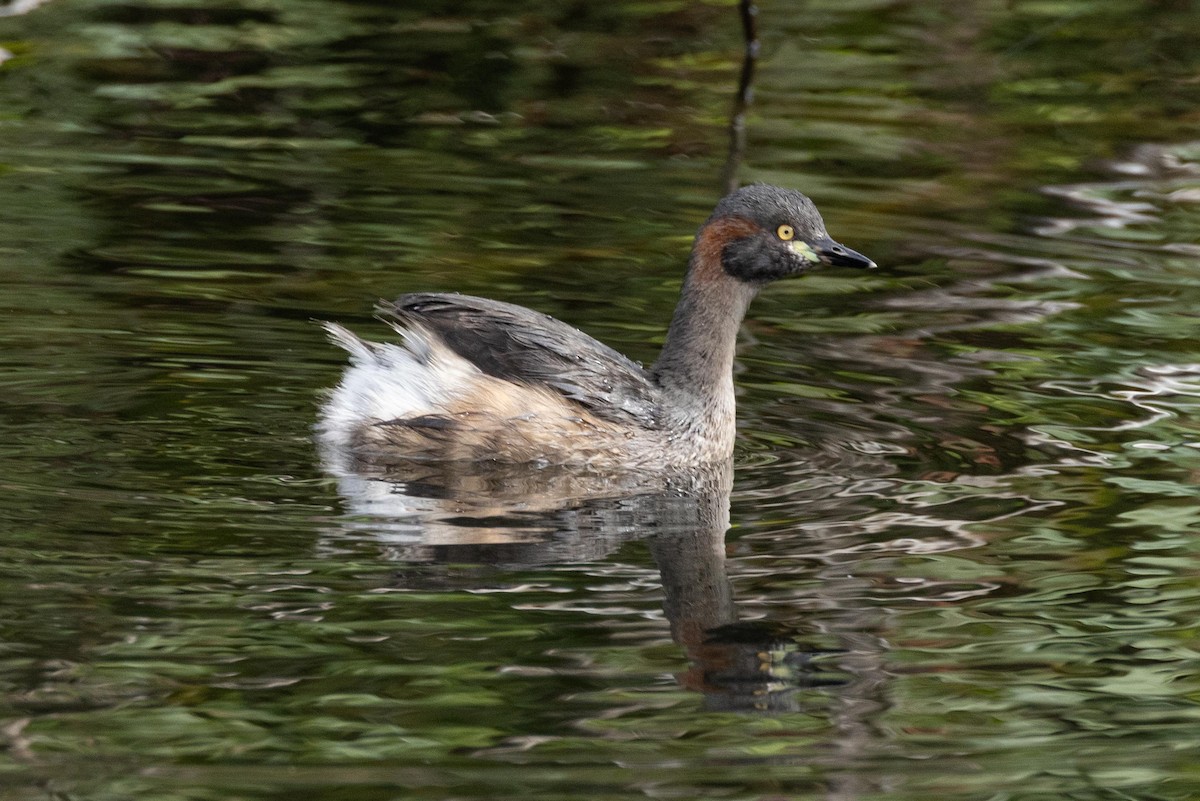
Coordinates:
[522,345]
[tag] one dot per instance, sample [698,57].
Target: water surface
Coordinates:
[959,559]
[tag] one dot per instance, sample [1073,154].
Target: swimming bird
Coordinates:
[479,380]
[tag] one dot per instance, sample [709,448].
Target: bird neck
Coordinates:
[695,368]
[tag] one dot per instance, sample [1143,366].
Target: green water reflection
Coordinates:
[959,561]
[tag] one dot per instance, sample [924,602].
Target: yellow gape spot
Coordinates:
[804,250]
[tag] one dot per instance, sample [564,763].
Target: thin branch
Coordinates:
[745,94]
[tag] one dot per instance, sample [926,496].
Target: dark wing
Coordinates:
[519,344]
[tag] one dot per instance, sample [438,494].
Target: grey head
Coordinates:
[765,233]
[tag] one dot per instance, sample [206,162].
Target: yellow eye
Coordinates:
[785,232]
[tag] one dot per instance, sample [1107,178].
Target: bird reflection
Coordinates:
[513,516]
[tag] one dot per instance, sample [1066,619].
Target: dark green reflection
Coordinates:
[963,521]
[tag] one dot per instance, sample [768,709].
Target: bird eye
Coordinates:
[785,232]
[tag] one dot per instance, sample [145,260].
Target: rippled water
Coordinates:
[959,560]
